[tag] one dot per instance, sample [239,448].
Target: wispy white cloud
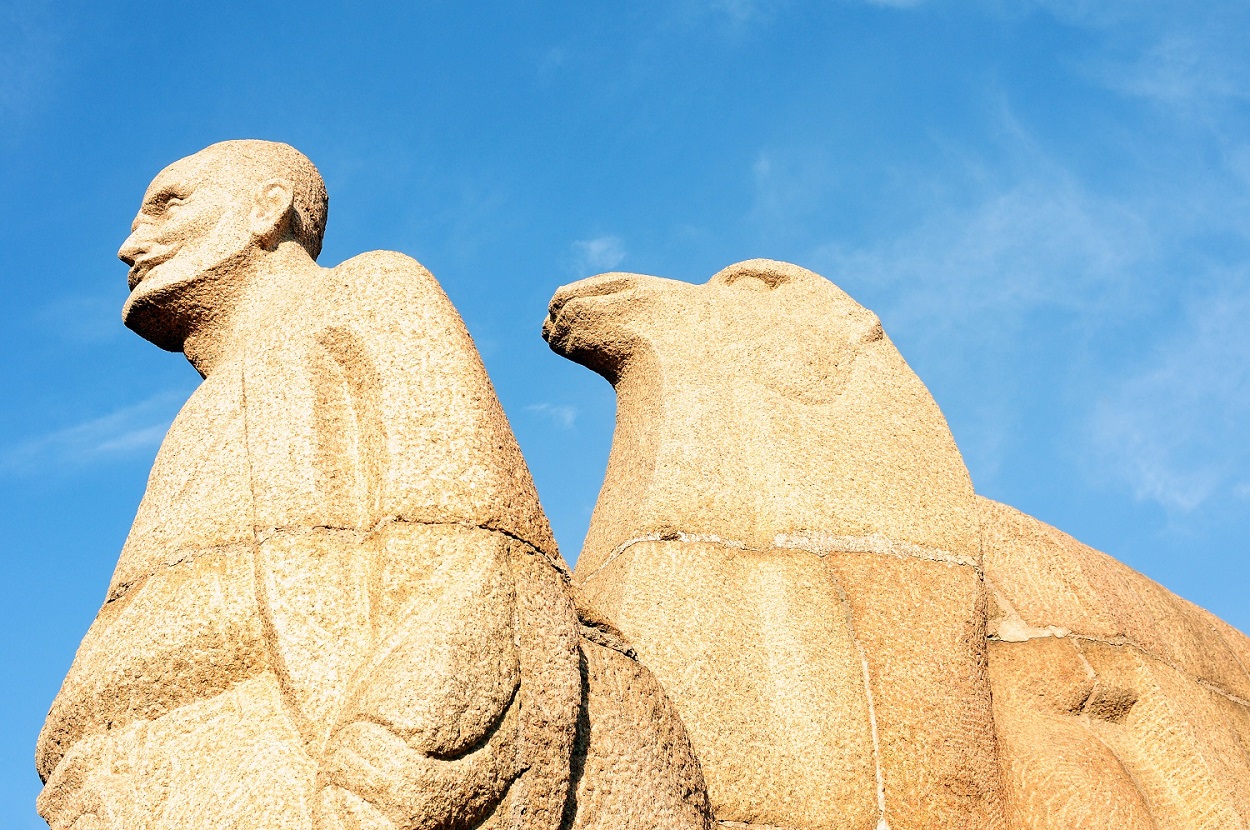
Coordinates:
[1043,240]
[1186,56]
[600,254]
[1175,431]
[965,287]
[1016,238]
[1178,54]
[1128,451]
[967,284]
[1016,253]
[1179,70]
[120,434]
[562,416]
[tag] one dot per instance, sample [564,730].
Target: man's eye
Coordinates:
[164,204]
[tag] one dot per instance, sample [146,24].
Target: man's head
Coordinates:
[210,213]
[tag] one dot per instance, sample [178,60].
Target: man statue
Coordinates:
[340,604]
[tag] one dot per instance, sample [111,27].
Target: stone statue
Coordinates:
[854,639]
[340,604]
[1117,704]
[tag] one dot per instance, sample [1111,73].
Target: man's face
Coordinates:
[193,218]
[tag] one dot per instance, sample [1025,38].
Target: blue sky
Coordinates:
[1046,201]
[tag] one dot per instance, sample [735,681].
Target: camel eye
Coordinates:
[754,282]
[751,277]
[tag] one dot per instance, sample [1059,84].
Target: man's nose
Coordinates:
[130,249]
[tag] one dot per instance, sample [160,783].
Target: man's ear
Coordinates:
[270,209]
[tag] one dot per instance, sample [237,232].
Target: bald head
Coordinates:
[244,165]
[213,223]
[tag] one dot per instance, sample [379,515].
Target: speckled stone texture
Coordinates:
[1118,704]
[340,605]
[789,537]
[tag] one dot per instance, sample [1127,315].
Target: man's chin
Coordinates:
[154,311]
[182,295]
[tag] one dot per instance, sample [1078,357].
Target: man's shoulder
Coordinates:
[373,287]
[389,299]
[379,270]
[379,261]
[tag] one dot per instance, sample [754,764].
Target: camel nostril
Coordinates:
[593,287]
[557,303]
[613,286]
